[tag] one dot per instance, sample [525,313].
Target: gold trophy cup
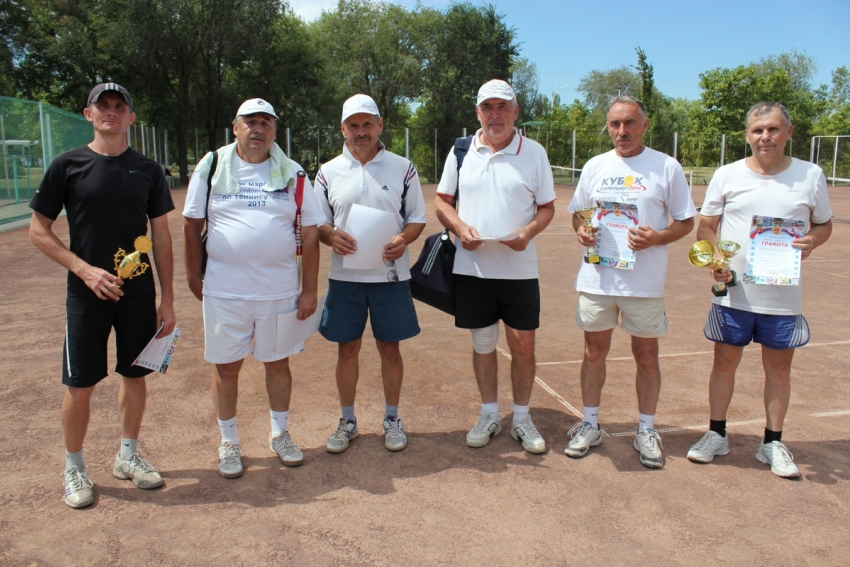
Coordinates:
[590,255]
[128,266]
[705,254]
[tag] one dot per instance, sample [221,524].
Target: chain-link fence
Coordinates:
[832,153]
[33,133]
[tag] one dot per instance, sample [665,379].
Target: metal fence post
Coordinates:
[226,137]
[49,140]
[812,153]
[43,144]
[288,143]
[166,148]
[154,145]
[835,160]
[435,156]
[722,150]
[5,164]
[573,167]
[675,144]
[407,143]
[464,132]
[144,146]
[15,177]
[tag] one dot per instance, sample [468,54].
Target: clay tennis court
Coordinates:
[438,502]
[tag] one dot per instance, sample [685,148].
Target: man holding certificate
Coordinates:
[110,192]
[374,208]
[777,208]
[247,192]
[634,191]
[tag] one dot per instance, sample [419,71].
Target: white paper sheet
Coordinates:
[157,354]
[372,229]
[510,236]
[291,332]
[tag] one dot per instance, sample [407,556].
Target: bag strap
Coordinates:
[209,183]
[411,171]
[461,148]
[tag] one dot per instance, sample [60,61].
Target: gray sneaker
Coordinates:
[395,439]
[532,441]
[487,427]
[78,488]
[345,432]
[711,445]
[583,436]
[283,447]
[780,459]
[138,470]
[648,444]
[230,460]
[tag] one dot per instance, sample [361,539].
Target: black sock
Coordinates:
[718,427]
[771,436]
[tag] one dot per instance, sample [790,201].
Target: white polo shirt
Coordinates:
[655,183]
[738,193]
[499,193]
[379,184]
[251,234]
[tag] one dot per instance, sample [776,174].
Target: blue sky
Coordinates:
[569,38]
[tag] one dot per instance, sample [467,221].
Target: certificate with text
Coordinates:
[615,220]
[770,259]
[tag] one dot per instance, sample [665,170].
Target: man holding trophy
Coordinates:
[634,190]
[767,189]
[109,192]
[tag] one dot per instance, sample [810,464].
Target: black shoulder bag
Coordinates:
[206,216]
[431,279]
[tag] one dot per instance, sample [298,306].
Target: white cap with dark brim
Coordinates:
[255,106]
[358,104]
[495,89]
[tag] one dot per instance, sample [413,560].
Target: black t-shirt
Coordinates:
[108,201]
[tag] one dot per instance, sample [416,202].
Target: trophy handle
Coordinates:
[734,281]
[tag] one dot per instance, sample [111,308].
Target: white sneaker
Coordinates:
[346,431]
[711,445]
[283,447]
[648,444]
[583,436]
[230,460]
[532,441]
[138,470]
[780,459]
[78,488]
[395,439]
[487,427]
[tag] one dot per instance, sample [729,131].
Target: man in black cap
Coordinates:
[109,192]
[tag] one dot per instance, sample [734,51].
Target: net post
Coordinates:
[407,143]
[812,151]
[722,150]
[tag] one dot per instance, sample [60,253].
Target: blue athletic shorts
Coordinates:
[737,328]
[389,306]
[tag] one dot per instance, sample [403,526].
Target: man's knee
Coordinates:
[388,351]
[228,371]
[350,349]
[79,396]
[485,339]
[597,345]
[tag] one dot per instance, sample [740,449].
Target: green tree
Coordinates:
[835,120]
[599,86]
[526,83]
[647,84]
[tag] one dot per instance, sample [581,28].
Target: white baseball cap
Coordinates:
[495,89]
[254,106]
[357,104]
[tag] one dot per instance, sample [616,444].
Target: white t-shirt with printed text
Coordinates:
[499,193]
[739,193]
[655,183]
[379,184]
[251,234]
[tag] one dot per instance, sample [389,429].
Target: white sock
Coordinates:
[228,431]
[645,422]
[280,419]
[490,409]
[128,448]
[73,460]
[520,414]
[591,416]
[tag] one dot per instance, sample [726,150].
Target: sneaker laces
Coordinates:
[230,455]
[781,452]
[527,428]
[137,462]
[342,430]
[580,429]
[652,437]
[395,428]
[481,426]
[704,442]
[77,479]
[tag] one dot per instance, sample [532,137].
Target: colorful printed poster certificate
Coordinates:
[157,355]
[771,260]
[612,240]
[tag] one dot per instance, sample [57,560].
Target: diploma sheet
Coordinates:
[612,240]
[771,260]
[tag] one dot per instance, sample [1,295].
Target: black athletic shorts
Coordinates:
[482,302]
[89,321]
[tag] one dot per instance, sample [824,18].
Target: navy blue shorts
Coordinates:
[388,305]
[737,328]
[90,320]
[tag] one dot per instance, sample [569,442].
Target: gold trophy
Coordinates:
[128,266]
[590,255]
[705,254]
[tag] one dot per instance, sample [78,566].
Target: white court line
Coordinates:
[830,413]
[830,273]
[687,428]
[674,355]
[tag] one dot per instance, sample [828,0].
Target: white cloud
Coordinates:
[309,10]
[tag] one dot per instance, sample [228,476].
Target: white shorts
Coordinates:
[642,317]
[230,324]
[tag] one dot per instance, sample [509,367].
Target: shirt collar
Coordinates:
[513,148]
[378,157]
